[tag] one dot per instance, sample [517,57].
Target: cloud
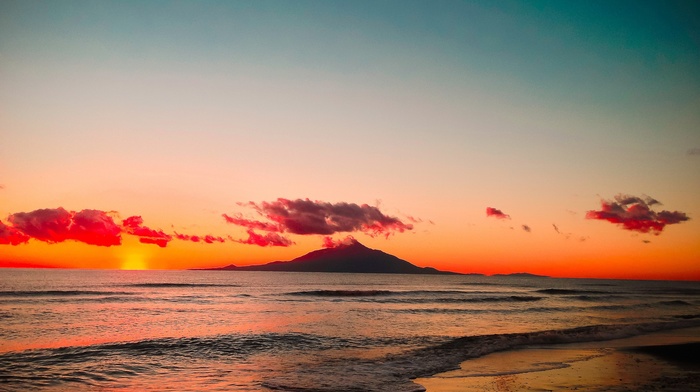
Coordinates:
[207,239]
[635,214]
[307,217]
[252,224]
[93,227]
[269,239]
[11,236]
[54,225]
[496,213]
[560,232]
[694,151]
[134,225]
[527,228]
[329,242]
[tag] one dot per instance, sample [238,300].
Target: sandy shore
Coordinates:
[667,361]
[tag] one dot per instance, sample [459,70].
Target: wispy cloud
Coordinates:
[527,228]
[694,151]
[635,213]
[206,239]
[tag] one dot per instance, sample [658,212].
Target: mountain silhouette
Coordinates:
[351,257]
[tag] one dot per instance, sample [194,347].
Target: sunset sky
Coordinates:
[553,137]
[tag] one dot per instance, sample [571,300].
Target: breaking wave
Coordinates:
[420,357]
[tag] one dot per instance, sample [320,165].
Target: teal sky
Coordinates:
[438,109]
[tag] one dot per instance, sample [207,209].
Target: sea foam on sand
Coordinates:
[663,361]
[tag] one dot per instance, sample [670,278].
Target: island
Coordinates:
[352,257]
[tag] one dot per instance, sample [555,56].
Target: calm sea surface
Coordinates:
[64,330]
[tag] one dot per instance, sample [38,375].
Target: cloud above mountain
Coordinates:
[308,217]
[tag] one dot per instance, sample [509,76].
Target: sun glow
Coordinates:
[134,262]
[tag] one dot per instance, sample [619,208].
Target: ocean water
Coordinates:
[67,330]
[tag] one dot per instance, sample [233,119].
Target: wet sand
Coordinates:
[667,361]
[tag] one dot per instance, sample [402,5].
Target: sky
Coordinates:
[557,138]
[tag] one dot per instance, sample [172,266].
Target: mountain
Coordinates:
[352,257]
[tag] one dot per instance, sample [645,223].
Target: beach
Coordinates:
[664,361]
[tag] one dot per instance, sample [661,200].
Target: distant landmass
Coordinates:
[352,257]
[523,275]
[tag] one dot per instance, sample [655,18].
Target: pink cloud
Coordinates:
[269,239]
[252,224]
[53,225]
[306,217]
[93,227]
[11,236]
[329,242]
[496,213]
[134,225]
[635,214]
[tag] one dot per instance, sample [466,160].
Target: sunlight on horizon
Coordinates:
[134,262]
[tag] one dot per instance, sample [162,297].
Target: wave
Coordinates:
[467,300]
[417,296]
[570,291]
[376,293]
[432,355]
[343,293]
[642,305]
[51,367]
[394,372]
[59,293]
[675,303]
[179,285]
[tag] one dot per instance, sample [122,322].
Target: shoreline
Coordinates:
[660,361]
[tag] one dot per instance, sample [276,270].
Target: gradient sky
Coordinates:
[429,112]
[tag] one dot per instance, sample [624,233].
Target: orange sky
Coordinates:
[141,122]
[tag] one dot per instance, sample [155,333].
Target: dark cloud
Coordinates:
[694,151]
[634,213]
[268,239]
[527,228]
[307,217]
[556,228]
[53,225]
[134,225]
[11,236]
[496,213]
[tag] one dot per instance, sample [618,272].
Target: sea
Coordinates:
[100,330]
